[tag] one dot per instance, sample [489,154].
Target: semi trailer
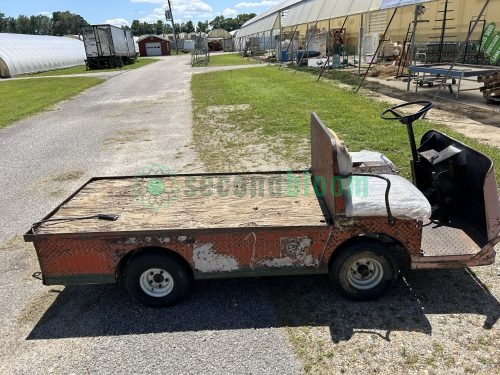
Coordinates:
[108,46]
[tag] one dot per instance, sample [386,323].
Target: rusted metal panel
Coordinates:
[446,247]
[407,232]
[219,253]
[486,257]
[443,240]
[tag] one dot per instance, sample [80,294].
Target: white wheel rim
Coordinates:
[365,273]
[156,282]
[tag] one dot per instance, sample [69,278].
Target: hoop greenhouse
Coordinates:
[21,53]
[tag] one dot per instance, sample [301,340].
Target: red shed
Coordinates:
[154,45]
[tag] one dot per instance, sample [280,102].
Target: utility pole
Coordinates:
[169,17]
[360,45]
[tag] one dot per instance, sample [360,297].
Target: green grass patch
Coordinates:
[278,107]
[80,69]
[228,60]
[22,98]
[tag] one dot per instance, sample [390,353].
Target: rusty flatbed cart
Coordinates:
[363,229]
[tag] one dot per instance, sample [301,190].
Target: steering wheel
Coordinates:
[407,119]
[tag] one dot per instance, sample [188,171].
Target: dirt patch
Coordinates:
[121,137]
[226,145]
[65,176]
[28,261]
[14,243]
[382,71]
[228,108]
[58,193]
[33,312]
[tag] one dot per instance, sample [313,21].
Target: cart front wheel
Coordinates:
[157,279]
[364,271]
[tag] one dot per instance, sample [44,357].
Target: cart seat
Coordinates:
[366,198]
[371,162]
[365,161]
[360,196]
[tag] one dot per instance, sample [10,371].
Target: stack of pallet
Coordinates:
[491,88]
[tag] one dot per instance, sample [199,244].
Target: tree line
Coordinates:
[61,23]
[67,23]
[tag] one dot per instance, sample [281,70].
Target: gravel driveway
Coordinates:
[136,119]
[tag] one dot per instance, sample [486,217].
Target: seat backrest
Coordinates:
[329,160]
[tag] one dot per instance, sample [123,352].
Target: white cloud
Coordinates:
[182,10]
[45,13]
[148,1]
[229,13]
[191,7]
[119,22]
[263,3]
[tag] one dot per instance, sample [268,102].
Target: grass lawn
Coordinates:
[276,105]
[80,69]
[22,98]
[227,60]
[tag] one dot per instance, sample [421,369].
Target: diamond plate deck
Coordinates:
[440,240]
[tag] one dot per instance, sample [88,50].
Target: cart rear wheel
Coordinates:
[157,279]
[364,271]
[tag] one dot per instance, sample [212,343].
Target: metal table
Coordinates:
[443,72]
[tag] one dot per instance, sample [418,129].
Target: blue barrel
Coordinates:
[284,56]
[299,55]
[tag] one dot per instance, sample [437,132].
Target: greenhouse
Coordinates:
[21,53]
[437,29]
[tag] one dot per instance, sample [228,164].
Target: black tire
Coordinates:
[168,278]
[364,271]
[430,84]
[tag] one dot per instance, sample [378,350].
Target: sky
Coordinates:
[123,12]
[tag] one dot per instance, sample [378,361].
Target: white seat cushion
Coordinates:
[367,198]
[371,162]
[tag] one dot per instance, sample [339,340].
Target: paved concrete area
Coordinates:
[135,119]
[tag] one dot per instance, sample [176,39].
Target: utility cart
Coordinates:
[349,216]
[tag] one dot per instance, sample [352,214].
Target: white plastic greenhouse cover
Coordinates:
[305,11]
[23,53]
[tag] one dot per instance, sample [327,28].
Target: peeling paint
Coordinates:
[278,262]
[293,254]
[164,239]
[310,261]
[206,260]
[182,238]
[294,247]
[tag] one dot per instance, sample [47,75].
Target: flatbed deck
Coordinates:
[200,202]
